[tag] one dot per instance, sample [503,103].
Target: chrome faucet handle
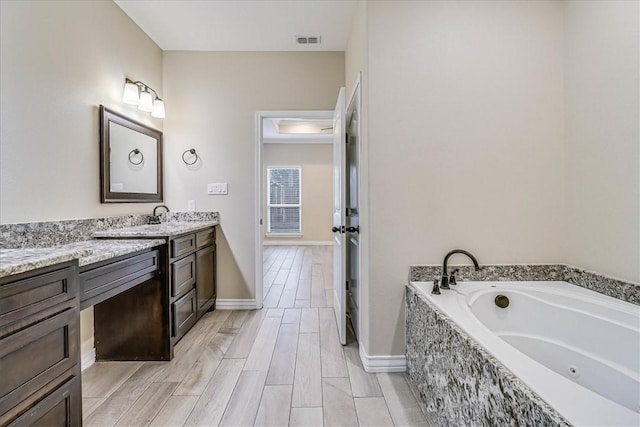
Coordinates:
[452,277]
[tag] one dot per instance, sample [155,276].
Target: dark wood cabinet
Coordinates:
[40,347]
[192,263]
[205,279]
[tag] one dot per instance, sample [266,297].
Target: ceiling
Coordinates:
[240,25]
[297,130]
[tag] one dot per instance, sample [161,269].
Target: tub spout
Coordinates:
[444,281]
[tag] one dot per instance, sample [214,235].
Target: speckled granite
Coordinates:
[190,216]
[458,382]
[609,286]
[102,249]
[165,229]
[54,233]
[615,288]
[521,272]
[14,261]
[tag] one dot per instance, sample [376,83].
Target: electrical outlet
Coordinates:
[217,188]
[191,205]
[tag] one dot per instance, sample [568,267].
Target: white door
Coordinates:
[339,205]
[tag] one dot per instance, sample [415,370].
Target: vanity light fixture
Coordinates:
[139,93]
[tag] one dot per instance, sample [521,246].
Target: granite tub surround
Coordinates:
[620,289]
[460,383]
[14,261]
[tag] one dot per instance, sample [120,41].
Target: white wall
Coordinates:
[59,61]
[316,161]
[214,97]
[465,141]
[602,137]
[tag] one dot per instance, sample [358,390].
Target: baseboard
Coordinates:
[296,243]
[387,363]
[87,354]
[235,304]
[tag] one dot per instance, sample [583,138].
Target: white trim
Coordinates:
[236,304]
[290,235]
[258,213]
[386,363]
[87,353]
[296,243]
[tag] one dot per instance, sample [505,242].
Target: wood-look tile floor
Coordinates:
[282,365]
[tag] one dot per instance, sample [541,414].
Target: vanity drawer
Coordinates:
[183,245]
[183,275]
[23,299]
[61,407]
[37,355]
[103,282]
[184,314]
[205,237]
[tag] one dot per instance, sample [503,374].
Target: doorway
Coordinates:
[291,224]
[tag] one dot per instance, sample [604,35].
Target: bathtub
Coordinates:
[577,350]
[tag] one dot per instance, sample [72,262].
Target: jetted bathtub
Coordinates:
[577,349]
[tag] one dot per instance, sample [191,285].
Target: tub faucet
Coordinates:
[154,218]
[444,281]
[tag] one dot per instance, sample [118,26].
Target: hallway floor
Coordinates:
[282,365]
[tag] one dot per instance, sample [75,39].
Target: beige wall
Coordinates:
[60,60]
[465,141]
[356,63]
[602,137]
[214,98]
[316,161]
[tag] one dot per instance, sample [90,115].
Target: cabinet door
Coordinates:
[184,314]
[205,279]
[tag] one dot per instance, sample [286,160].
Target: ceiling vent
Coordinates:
[308,39]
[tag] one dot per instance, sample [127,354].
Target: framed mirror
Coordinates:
[130,160]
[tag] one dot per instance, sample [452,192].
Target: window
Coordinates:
[283,200]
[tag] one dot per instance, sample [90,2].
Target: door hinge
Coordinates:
[260,221]
[347,285]
[346,211]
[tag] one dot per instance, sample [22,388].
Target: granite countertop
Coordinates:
[14,261]
[165,229]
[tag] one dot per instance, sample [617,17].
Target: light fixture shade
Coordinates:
[158,108]
[130,95]
[146,101]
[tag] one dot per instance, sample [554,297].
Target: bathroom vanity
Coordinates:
[148,286]
[184,291]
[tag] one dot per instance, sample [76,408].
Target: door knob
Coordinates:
[354,229]
[335,229]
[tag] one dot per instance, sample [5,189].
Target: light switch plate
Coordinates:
[217,188]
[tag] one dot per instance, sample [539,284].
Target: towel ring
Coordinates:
[195,159]
[136,152]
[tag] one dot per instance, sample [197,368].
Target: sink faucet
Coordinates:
[155,219]
[160,206]
[444,282]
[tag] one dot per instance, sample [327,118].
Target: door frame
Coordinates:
[258,167]
[356,96]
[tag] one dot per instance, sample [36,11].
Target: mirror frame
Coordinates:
[106,195]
